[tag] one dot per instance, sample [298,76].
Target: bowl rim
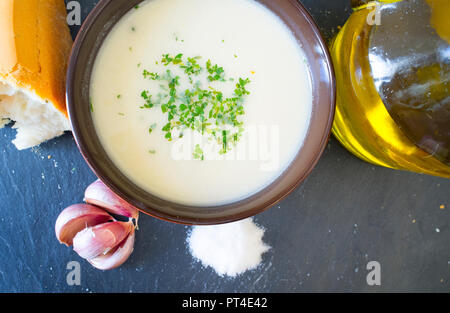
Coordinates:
[191,220]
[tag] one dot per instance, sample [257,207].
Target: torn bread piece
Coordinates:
[35,45]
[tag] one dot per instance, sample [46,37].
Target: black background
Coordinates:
[346,214]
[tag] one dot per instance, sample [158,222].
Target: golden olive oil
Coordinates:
[363,123]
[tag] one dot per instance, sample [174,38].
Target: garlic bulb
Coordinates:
[94,233]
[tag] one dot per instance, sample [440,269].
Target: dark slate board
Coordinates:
[347,213]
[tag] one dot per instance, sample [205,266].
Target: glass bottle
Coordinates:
[392,64]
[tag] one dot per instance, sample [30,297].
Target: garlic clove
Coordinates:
[99,194]
[94,241]
[115,257]
[77,217]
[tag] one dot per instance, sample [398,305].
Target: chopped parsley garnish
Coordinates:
[216,72]
[152,76]
[198,153]
[192,67]
[206,110]
[148,100]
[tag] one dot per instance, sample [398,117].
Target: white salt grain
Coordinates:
[230,249]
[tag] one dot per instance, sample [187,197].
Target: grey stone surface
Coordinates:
[344,215]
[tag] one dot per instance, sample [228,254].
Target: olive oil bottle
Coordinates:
[392,64]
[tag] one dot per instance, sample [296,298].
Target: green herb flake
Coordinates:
[152,76]
[151,128]
[216,73]
[198,153]
[148,100]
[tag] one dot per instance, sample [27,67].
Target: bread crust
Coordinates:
[36,44]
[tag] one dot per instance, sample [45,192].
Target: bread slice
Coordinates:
[35,44]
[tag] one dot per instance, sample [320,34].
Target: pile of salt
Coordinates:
[230,249]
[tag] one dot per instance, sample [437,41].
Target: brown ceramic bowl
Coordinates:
[90,38]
